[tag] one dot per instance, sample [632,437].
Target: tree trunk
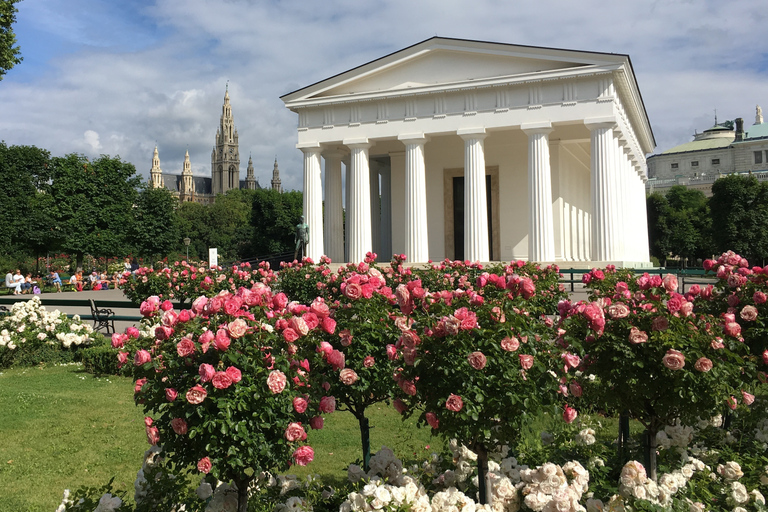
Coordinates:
[365,437]
[483,481]
[623,438]
[650,450]
[242,494]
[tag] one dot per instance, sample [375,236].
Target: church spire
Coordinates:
[276,184]
[156,173]
[187,182]
[250,179]
[225,158]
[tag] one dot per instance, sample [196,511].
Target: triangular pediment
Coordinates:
[440,61]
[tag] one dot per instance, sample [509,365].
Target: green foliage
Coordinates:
[739,206]
[101,359]
[155,227]
[10,55]
[274,219]
[679,224]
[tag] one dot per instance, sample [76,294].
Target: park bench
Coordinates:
[56,300]
[103,318]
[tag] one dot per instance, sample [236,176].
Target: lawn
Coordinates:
[64,428]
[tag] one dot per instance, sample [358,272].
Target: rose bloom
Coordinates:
[179,426]
[717,344]
[235,375]
[526,361]
[300,404]
[510,344]
[353,291]
[185,348]
[303,455]
[221,342]
[703,364]
[660,323]
[139,384]
[670,282]
[575,388]
[408,387]
[748,397]
[569,414]
[432,420]
[299,325]
[749,313]
[133,332]
[336,359]
[618,310]
[118,340]
[204,465]
[348,376]
[196,395]
[759,298]
[141,357]
[237,328]
[454,403]
[399,405]
[221,380]
[206,372]
[732,403]
[153,435]
[346,338]
[369,361]
[316,423]
[571,360]
[477,360]
[328,325]
[295,432]
[733,329]
[327,404]
[636,336]
[391,352]
[290,335]
[765,356]
[171,394]
[276,381]
[122,358]
[674,359]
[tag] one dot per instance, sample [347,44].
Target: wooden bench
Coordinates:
[56,300]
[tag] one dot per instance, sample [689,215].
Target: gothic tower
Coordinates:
[156,173]
[187,183]
[250,179]
[225,158]
[276,184]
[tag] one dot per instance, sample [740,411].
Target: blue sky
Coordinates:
[116,77]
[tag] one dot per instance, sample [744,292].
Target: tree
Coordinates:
[94,203]
[659,231]
[10,55]
[194,219]
[274,219]
[155,230]
[229,224]
[739,206]
[691,222]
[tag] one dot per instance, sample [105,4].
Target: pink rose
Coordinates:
[748,397]
[765,356]
[327,404]
[328,325]
[185,347]
[303,455]
[170,318]
[368,362]
[660,323]
[185,315]
[336,359]
[348,376]
[206,372]
[575,389]
[454,403]
[346,338]
[670,283]
[733,329]
[407,386]
[290,335]
[166,305]
[141,357]
[221,342]
[139,384]
[153,435]
[674,359]
[391,352]
[399,405]
[118,340]
[179,426]
[234,374]
[276,381]
[133,332]
[295,432]
[636,336]
[569,414]
[352,291]
[510,344]
[749,313]
[703,364]
[717,344]
[237,328]
[299,325]
[204,465]
[122,358]
[171,394]
[477,360]
[300,404]
[196,395]
[221,380]
[759,298]
[732,403]
[163,332]
[618,310]
[526,361]
[432,420]
[571,360]
[198,306]
[316,423]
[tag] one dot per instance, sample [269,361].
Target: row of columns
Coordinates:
[617,198]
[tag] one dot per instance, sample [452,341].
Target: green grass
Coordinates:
[63,428]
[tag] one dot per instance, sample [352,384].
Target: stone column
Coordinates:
[334,218]
[375,206]
[346,161]
[541,237]
[359,211]
[313,201]
[385,171]
[604,216]
[642,213]
[416,237]
[475,202]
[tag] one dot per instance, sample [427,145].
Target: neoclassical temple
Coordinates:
[477,151]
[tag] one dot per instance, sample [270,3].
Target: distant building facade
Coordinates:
[717,151]
[225,167]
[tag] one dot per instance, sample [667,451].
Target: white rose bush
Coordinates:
[521,384]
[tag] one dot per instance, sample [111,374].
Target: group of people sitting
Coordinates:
[93,281]
[21,284]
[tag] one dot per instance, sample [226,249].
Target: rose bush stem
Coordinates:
[365,436]
[483,480]
[650,448]
[623,438]
[242,493]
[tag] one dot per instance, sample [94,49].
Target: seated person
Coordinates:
[18,278]
[93,281]
[116,277]
[55,280]
[29,283]
[77,280]
[11,283]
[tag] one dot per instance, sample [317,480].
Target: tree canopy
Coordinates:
[739,206]
[10,54]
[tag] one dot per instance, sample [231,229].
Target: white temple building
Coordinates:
[477,151]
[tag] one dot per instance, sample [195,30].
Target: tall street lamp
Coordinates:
[187,242]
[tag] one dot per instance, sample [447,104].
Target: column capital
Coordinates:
[593,123]
[412,138]
[542,127]
[358,143]
[333,153]
[471,133]
[308,145]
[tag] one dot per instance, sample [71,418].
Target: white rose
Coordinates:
[739,493]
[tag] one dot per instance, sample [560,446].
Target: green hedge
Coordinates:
[101,359]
